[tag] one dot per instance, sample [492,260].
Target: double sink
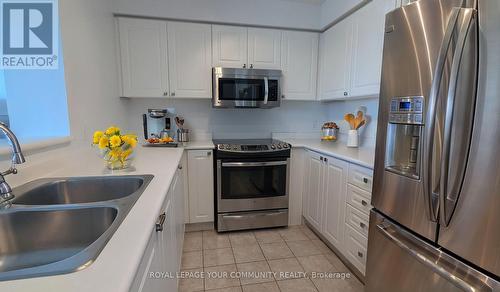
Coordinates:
[60,225]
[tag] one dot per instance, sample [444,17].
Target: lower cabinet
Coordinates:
[201,186]
[162,257]
[335,205]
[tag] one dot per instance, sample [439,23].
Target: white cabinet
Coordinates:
[201,186]
[264,48]
[313,194]
[351,53]
[229,46]
[165,59]
[335,206]
[334,200]
[367,48]
[190,59]
[241,47]
[335,58]
[299,62]
[162,257]
[143,51]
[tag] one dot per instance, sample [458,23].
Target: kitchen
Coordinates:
[230,145]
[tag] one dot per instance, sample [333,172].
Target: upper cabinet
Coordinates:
[351,53]
[190,59]
[241,47]
[264,48]
[335,59]
[229,46]
[165,59]
[299,62]
[144,64]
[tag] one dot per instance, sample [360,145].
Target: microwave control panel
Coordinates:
[407,110]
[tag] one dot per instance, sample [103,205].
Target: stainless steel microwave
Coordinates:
[246,88]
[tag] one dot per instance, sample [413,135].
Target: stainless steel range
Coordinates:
[252,179]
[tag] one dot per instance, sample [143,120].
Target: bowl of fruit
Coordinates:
[330,131]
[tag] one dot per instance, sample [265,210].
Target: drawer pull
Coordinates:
[160,222]
[360,254]
[364,203]
[365,180]
[362,225]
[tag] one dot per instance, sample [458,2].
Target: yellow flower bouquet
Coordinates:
[116,149]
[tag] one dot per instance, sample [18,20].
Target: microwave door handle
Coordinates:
[444,212]
[430,120]
[266,90]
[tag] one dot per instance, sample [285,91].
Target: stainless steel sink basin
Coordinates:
[60,225]
[76,190]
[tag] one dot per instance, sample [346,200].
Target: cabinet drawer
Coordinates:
[359,199]
[361,177]
[357,219]
[355,245]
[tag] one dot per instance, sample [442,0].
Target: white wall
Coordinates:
[294,14]
[368,133]
[88,36]
[333,9]
[292,116]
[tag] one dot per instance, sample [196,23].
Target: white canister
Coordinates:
[352,138]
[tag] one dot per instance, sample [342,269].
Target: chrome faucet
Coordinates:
[6,195]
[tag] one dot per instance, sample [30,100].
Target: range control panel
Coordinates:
[407,110]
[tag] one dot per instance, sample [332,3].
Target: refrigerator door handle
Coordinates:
[439,262]
[444,212]
[430,119]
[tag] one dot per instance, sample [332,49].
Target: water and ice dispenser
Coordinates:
[404,136]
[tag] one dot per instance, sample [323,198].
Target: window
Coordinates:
[33,102]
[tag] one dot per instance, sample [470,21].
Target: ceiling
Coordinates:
[314,2]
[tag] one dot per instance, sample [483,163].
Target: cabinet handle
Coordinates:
[364,203]
[346,93]
[172,94]
[160,222]
[179,167]
[165,93]
[365,180]
[209,153]
[326,159]
[321,158]
[251,66]
[244,66]
[360,254]
[283,96]
[362,225]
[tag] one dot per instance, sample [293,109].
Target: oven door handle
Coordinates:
[253,164]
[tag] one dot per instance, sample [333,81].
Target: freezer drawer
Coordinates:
[399,261]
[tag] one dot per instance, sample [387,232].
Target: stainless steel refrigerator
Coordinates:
[435,225]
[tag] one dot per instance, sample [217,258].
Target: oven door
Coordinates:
[256,185]
[244,88]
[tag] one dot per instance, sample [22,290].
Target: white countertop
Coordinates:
[115,267]
[364,156]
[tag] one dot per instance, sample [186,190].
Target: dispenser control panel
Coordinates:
[407,110]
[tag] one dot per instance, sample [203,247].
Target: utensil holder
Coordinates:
[352,138]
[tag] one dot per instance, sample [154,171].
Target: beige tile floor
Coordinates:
[294,254]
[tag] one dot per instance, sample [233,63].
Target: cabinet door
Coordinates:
[189,55]
[299,64]
[143,51]
[334,200]
[313,190]
[368,42]
[178,209]
[264,48]
[229,46]
[201,186]
[335,57]
[151,262]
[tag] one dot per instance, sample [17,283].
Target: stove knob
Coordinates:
[285,146]
[235,148]
[279,146]
[221,147]
[228,147]
[273,146]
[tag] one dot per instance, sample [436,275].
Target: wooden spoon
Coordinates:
[361,124]
[349,118]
